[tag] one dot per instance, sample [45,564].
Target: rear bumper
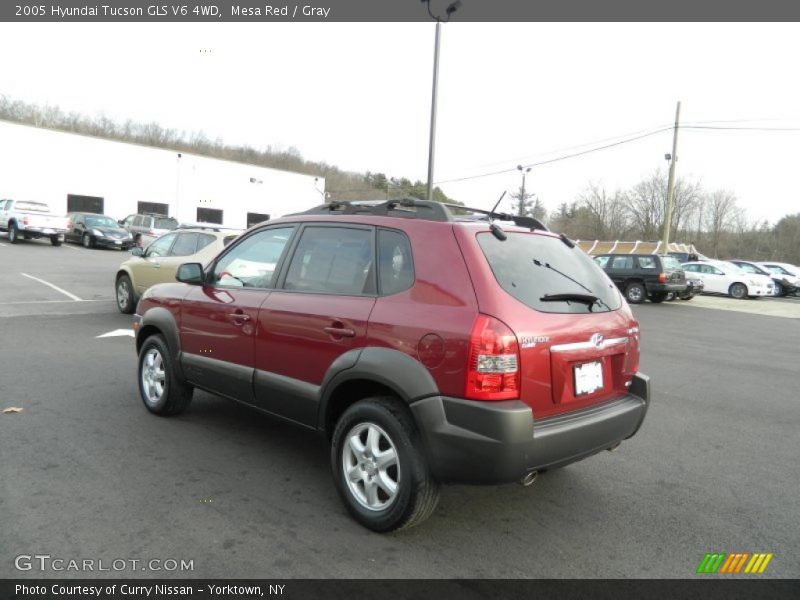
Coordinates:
[666,287]
[499,442]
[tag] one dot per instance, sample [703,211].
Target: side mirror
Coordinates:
[137,251]
[121,222]
[190,273]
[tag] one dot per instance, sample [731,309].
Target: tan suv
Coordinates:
[161,259]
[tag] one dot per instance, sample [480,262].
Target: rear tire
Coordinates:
[161,391]
[126,300]
[55,241]
[738,291]
[13,233]
[378,467]
[635,293]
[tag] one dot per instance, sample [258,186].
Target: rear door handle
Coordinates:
[339,332]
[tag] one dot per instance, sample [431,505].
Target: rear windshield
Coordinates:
[166,223]
[32,206]
[531,267]
[671,263]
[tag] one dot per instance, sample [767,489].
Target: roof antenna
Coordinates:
[496,230]
[503,195]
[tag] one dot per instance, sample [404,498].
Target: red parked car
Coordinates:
[428,347]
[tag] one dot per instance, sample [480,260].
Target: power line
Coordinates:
[558,158]
[720,128]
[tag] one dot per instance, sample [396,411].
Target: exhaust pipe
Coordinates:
[529,478]
[614,447]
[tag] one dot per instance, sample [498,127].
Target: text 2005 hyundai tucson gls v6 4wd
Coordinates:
[428,347]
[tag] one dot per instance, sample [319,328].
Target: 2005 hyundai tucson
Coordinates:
[429,347]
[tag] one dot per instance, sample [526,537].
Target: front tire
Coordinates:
[161,391]
[378,467]
[635,293]
[86,240]
[126,300]
[779,291]
[738,291]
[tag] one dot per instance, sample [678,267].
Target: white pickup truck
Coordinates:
[27,219]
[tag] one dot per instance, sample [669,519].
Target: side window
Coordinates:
[138,221]
[395,264]
[203,240]
[253,262]
[334,260]
[691,268]
[184,245]
[716,271]
[602,261]
[622,262]
[647,262]
[161,246]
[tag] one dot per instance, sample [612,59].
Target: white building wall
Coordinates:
[45,165]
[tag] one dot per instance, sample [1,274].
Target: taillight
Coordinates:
[493,364]
[662,278]
[69,225]
[25,221]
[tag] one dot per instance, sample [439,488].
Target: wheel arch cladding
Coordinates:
[367,372]
[160,321]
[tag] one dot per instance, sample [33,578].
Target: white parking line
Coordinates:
[53,301]
[55,287]
[70,247]
[2,245]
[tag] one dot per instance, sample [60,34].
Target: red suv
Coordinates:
[427,346]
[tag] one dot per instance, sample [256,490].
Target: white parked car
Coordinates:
[788,276]
[720,277]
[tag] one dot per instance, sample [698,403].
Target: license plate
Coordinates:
[118,242]
[588,377]
[47,230]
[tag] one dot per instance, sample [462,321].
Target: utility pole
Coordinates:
[671,181]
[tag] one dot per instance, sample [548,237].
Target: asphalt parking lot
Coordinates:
[87,473]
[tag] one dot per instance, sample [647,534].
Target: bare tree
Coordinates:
[720,209]
[645,202]
[610,215]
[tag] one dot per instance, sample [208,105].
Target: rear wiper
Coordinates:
[584,298]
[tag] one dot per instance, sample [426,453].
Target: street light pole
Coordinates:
[432,142]
[521,207]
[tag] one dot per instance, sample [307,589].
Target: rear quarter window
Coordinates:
[529,266]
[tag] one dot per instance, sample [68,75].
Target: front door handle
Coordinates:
[339,332]
[238,318]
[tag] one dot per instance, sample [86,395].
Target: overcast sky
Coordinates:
[358,96]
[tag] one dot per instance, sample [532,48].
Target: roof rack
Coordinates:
[415,208]
[488,215]
[411,208]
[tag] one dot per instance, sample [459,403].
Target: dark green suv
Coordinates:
[641,276]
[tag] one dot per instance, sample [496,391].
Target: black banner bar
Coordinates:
[414,589]
[396,10]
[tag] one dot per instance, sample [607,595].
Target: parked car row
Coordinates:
[661,277]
